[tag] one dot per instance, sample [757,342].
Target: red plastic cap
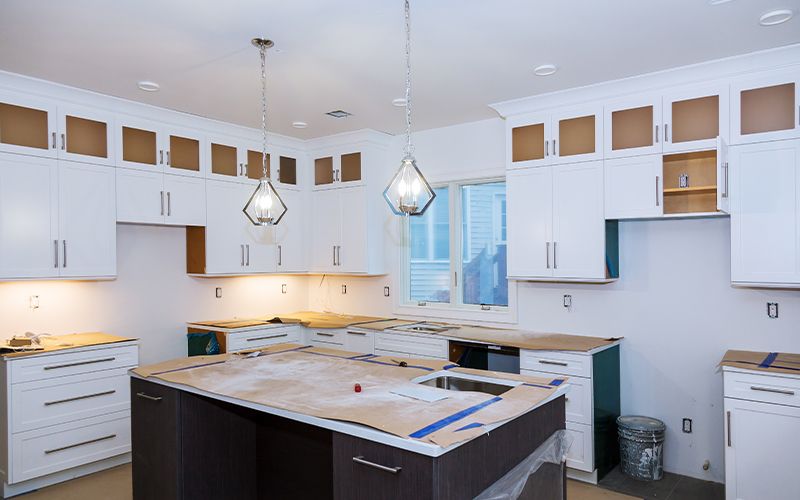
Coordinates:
[358,388]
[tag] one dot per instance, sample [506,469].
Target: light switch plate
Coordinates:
[568,301]
[283,288]
[218,292]
[386,291]
[687,425]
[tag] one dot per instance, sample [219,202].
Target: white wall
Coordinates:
[151,299]
[673,304]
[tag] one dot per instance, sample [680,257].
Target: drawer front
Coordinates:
[327,338]
[411,345]
[359,342]
[562,363]
[73,363]
[764,388]
[49,402]
[578,399]
[44,451]
[261,338]
[581,453]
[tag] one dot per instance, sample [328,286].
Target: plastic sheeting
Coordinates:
[510,486]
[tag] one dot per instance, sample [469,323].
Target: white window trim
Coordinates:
[452,310]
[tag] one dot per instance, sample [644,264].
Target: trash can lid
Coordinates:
[640,423]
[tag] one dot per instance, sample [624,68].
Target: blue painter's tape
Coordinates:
[364,356]
[470,426]
[453,418]
[449,367]
[557,381]
[768,360]
[427,368]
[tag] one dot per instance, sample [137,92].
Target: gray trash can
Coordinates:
[641,446]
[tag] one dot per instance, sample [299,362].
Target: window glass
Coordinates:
[429,262]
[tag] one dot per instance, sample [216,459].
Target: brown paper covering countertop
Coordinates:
[529,340]
[70,341]
[320,382]
[309,319]
[775,362]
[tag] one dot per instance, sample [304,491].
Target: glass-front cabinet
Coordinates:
[694,118]
[633,126]
[153,147]
[766,108]
[338,169]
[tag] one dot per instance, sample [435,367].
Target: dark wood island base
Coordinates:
[187,446]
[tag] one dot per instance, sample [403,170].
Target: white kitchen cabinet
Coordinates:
[326,221]
[351,254]
[761,437]
[156,198]
[556,227]
[338,169]
[291,233]
[633,126]
[765,213]
[236,160]
[158,147]
[359,341]
[633,187]
[185,199]
[261,252]
[85,134]
[766,108]
[695,117]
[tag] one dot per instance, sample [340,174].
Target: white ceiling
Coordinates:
[348,54]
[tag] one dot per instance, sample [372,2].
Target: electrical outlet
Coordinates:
[34,302]
[344,289]
[386,291]
[687,425]
[283,288]
[568,301]
[218,292]
[772,309]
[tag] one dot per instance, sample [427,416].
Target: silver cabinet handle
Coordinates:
[666,132]
[557,363]
[546,148]
[322,334]
[786,392]
[91,441]
[658,201]
[54,140]
[547,251]
[555,262]
[555,149]
[160,156]
[241,247]
[55,254]
[280,255]
[147,396]
[168,158]
[169,204]
[334,255]
[725,185]
[455,278]
[162,202]
[338,255]
[392,470]
[363,334]
[656,134]
[79,363]
[267,337]
[64,245]
[247,247]
[63,142]
[729,428]
[78,398]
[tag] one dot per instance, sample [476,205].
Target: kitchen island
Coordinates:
[290,422]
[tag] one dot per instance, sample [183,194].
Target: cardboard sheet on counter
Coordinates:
[529,340]
[320,382]
[310,319]
[775,362]
[70,341]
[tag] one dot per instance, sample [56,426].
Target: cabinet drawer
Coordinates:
[578,399]
[359,342]
[581,453]
[73,363]
[411,345]
[44,451]
[261,338]
[765,388]
[51,402]
[562,363]
[327,338]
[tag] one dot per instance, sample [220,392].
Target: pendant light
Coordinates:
[408,193]
[265,207]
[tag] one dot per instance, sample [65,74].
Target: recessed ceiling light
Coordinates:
[148,86]
[338,113]
[774,17]
[545,70]
[299,124]
[400,102]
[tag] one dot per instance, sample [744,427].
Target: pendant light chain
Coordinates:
[263,49]
[409,149]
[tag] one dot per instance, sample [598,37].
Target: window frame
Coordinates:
[455,309]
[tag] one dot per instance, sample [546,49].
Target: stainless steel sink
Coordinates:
[423,327]
[464,384]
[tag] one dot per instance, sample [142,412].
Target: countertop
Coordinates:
[53,343]
[310,319]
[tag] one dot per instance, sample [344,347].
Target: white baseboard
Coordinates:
[10,490]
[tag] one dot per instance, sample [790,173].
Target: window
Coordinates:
[457,251]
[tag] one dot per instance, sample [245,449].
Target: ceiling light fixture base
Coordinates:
[262,42]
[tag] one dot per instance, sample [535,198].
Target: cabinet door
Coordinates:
[633,126]
[694,118]
[528,140]
[760,450]
[253,160]
[290,234]
[350,169]
[287,171]
[579,243]
[225,252]
[529,215]
[577,134]
[27,126]
[633,187]
[765,227]
[723,177]
[85,135]
[261,253]
[766,108]
[140,196]
[185,200]
[87,220]
[139,144]
[184,152]
[351,254]
[28,217]
[324,171]
[326,225]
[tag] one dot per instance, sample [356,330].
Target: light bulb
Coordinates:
[402,188]
[264,201]
[416,187]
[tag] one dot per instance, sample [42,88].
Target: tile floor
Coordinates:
[670,487]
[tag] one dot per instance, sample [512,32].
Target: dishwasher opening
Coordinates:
[485,356]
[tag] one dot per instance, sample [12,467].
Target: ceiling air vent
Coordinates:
[338,113]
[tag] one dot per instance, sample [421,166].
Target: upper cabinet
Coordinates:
[338,170]
[40,128]
[694,118]
[633,126]
[766,108]
[566,135]
[152,146]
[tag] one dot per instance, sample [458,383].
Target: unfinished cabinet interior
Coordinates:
[232,159]
[766,108]
[633,126]
[694,118]
[152,146]
[337,169]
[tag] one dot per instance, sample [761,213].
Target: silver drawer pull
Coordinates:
[91,441]
[557,363]
[78,398]
[324,334]
[768,389]
[268,337]
[79,363]
[146,396]
[357,333]
[360,460]
[566,399]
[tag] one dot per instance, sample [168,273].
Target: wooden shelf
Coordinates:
[690,189]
